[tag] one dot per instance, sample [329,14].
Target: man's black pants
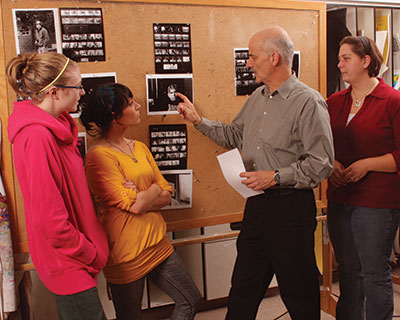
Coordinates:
[277,237]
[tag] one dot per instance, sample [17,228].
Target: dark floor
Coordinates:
[272,307]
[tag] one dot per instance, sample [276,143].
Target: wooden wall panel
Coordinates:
[217,27]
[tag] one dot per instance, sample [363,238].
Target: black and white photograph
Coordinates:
[83,34]
[82,144]
[168,145]
[245,81]
[182,182]
[162,89]
[36,30]
[172,48]
[296,64]
[91,80]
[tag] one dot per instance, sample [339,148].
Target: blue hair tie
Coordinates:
[106,95]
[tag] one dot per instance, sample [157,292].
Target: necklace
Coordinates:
[130,155]
[358,102]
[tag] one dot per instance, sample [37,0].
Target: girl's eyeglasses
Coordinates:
[71,87]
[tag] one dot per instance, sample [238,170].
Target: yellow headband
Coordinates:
[59,75]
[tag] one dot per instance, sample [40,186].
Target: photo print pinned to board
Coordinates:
[168,145]
[172,48]
[91,80]
[182,182]
[245,80]
[83,34]
[296,64]
[82,144]
[161,92]
[36,30]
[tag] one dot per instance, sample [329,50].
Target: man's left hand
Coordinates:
[258,180]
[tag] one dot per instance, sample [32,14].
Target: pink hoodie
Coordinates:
[67,243]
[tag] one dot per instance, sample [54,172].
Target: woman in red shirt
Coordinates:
[364,189]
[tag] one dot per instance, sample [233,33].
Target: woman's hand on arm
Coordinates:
[337,178]
[163,200]
[145,199]
[358,169]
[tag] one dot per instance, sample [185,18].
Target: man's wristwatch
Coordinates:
[277,177]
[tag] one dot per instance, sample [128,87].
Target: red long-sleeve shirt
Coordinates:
[374,131]
[68,245]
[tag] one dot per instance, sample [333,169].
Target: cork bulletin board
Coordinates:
[217,27]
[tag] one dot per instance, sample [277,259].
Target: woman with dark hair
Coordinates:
[364,189]
[67,243]
[129,191]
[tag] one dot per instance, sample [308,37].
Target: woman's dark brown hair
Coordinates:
[101,105]
[363,46]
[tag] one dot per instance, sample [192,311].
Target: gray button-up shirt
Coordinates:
[287,130]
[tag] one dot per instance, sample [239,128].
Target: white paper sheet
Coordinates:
[232,165]
[381,40]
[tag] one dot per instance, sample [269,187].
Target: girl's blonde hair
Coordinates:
[29,73]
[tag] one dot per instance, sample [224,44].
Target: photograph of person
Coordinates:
[42,38]
[36,30]
[162,92]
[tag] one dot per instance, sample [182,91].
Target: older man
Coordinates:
[284,133]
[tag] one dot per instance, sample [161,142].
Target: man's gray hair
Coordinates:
[282,44]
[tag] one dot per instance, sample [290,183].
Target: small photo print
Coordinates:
[162,89]
[245,81]
[182,182]
[296,64]
[83,34]
[168,145]
[82,144]
[172,48]
[36,30]
[91,80]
